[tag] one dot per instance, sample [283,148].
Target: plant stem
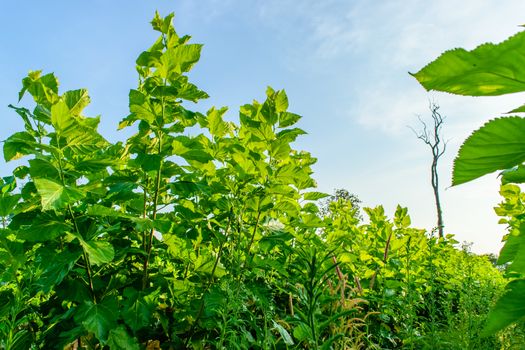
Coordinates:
[149,244]
[85,256]
[254,231]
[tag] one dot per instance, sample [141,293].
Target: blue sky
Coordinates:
[344,65]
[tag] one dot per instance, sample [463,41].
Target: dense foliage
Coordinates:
[198,232]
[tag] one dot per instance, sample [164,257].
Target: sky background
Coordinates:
[343,64]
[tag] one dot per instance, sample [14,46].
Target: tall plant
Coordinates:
[132,244]
[490,70]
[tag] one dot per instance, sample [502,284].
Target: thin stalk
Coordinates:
[145,212]
[149,244]
[254,231]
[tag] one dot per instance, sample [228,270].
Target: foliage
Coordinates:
[198,232]
[491,69]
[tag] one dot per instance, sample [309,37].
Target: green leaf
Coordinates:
[281,101]
[99,252]
[138,308]
[514,250]
[140,107]
[98,319]
[56,267]
[54,195]
[61,117]
[302,332]
[18,145]
[313,196]
[218,127]
[485,71]
[162,24]
[44,227]
[42,168]
[74,131]
[508,309]
[520,109]
[73,290]
[179,59]
[119,339]
[76,100]
[514,175]
[499,144]
[287,119]
[8,203]
[290,134]
[44,89]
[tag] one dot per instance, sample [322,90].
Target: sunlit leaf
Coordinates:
[99,252]
[179,59]
[509,308]
[313,196]
[18,145]
[489,69]
[54,195]
[281,101]
[497,145]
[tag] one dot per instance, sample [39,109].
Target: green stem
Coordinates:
[85,256]
[149,243]
[254,231]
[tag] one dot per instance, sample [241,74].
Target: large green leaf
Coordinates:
[138,308]
[43,168]
[98,319]
[313,196]
[140,107]
[44,227]
[54,195]
[119,339]
[499,144]
[76,100]
[18,145]
[179,59]
[56,267]
[8,203]
[80,133]
[99,252]
[218,127]
[514,251]
[509,308]
[485,71]
[44,89]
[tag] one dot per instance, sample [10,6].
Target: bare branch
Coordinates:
[433,138]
